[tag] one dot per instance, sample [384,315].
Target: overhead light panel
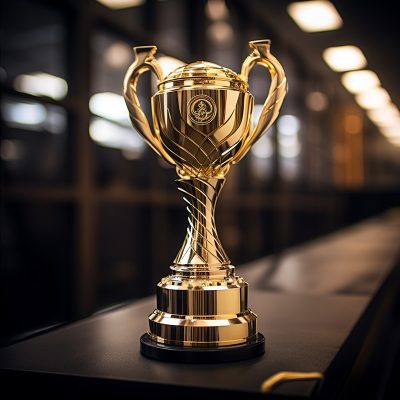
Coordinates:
[391,131]
[114,136]
[41,84]
[395,141]
[317,101]
[120,4]
[110,106]
[360,81]
[395,120]
[216,10]
[288,125]
[315,16]
[344,58]
[288,142]
[383,115]
[118,55]
[26,115]
[220,32]
[374,98]
[263,148]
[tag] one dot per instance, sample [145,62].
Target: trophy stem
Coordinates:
[202,312]
[201,254]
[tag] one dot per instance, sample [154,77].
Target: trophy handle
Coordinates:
[144,61]
[261,55]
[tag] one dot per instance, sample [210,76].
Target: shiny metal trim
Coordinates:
[289,376]
[203,303]
[195,331]
[206,300]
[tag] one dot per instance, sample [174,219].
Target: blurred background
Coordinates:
[91,216]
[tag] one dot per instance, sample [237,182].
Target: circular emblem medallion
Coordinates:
[202,109]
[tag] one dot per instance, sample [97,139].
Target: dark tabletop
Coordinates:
[107,345]
[307,310]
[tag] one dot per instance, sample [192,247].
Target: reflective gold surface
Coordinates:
[202,118]
[288,376]
[201,150]
[201,249]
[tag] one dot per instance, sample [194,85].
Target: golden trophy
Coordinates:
[202,119]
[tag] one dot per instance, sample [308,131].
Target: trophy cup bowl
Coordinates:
[202,119]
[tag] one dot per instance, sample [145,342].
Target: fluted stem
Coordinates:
[201,247]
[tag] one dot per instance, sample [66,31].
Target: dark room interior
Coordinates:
[91,218]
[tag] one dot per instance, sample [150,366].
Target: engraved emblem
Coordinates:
[202,109]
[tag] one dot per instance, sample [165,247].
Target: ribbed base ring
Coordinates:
[201,355]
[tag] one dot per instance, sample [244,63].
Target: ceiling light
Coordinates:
[26,115]
[315,16]
[289,151]
[220,32]
[263,147]
[395,141]
[216,9]
[257,110]
[118,55]
[383,115]
[390,122]
[41,84]
[110,106]
[360,81]
[317,101]
[288,125]
[373,98]
[119,4]
[344,58]
[391,131]
[288,141]
[114,136]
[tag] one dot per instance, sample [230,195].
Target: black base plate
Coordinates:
[198,355]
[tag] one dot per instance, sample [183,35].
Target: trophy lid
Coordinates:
[203,73]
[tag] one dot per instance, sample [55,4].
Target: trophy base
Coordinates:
[161,352]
